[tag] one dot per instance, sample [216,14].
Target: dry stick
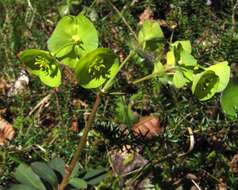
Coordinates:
[41,103]
[81,144]
[191,144]
[196,184]
[233,16]
[123,19]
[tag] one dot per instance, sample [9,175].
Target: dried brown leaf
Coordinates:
[6,131]
[124,162]
[148,127]
[146,15]
[19,85]
[74,126]
[221,185]
[234,163]
[170,25]
[4,86]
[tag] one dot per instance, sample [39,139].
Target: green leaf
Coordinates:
[170,58]
[179,80]
[21,187]
[78,183]
[187,59]
[94,177]
[222,70]
[229,99]
[43,65]
[25,175]
[149,31]
[96,67]
[73,35]
[205,85]
[45,172]
[188,73]
[158,68]
[63,10]
[70,60]
[58,165]
[150,36]
[186,45]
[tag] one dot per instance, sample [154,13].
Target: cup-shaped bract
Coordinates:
[151,36]
[73,37]
[180,52]
[96,67]
[223,71]
[43,65]
[205,85]
[185,44]
[229,99]
[213,80]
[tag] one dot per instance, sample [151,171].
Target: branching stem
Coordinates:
[109,82]
[156,74]
[88,125]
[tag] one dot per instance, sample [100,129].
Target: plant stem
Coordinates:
[88,125]
[150,76]
[81,144]
[109,82]
[147,77]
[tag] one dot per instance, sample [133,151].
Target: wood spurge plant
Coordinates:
[74,44]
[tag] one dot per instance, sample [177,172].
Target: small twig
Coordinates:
[41,103]
[30,14]
[192,142]
[233,16]
[215,178]
[196,184]
[123,19]
[29,4]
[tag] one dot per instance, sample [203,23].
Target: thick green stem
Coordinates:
[81,144]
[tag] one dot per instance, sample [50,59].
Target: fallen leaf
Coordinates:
[234,163]
[146,15]
[221,185]
[4,85]
[3,111]
[19,85]
[77,103]
[125,162]
[74,125]
[191,176]
[69,76]
[6,131]
[170,25]
[148,127]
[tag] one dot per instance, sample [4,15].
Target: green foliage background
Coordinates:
[213,31]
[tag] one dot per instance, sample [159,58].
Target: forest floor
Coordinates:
[53,130]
